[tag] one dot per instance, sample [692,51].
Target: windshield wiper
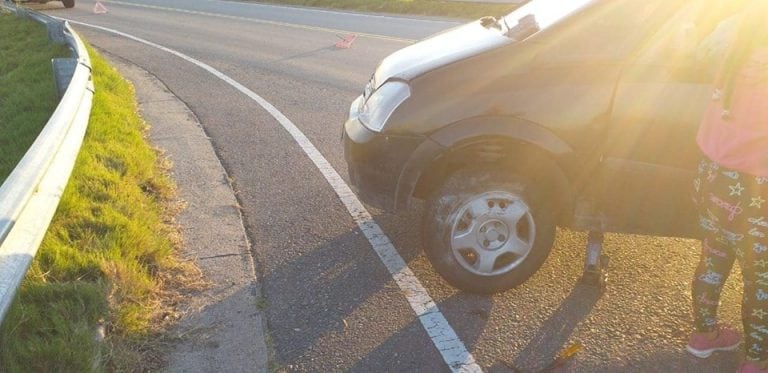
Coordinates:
[525,27]
[504,18]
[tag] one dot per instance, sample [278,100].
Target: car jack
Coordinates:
[595,264]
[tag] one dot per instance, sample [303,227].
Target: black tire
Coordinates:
[68,3]
[449,213]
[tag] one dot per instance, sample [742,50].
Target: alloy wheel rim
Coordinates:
[492,233]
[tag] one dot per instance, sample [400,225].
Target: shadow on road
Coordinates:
[318,301]
[555,333]
[473,323]
[335,306]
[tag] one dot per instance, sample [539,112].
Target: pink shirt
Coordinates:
[740,140]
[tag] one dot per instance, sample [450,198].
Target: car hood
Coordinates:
[439,50]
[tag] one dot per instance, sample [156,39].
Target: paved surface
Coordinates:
[330,303]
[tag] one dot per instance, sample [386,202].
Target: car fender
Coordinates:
[508,127]
[448,137]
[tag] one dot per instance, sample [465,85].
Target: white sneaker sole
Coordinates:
[703,354]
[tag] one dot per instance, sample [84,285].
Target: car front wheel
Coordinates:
[487,232]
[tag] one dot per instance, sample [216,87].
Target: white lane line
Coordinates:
[267,22]
[445,339]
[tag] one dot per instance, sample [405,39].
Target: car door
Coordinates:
[571,81]
[650,153]
[570,87]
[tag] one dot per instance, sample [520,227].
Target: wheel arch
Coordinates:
[488,142]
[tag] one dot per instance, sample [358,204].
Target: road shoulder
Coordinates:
[221,328]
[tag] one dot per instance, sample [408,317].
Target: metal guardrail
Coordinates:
[31,193]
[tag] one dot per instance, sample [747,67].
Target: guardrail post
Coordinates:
[56,31]
[63,70]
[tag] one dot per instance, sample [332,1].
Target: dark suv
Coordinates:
[580,114]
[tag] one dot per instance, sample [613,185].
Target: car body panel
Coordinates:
[617,111]
[510,127]
[375,161]
[442,49]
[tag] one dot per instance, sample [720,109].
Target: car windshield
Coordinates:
[540,14]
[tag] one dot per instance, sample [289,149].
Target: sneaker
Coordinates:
[727,340]
[748,367]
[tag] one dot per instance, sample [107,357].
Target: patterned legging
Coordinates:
[733,213]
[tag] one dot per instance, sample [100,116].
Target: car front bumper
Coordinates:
[375,161]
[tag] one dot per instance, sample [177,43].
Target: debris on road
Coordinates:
[557,364]
[346,41]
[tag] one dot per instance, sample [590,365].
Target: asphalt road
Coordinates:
[332,305]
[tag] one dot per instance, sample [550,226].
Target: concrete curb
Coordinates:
[222,328]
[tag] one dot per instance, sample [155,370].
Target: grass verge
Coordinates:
[443,8]
[108,257]
[27,88]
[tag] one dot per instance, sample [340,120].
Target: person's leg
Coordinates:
[717,257]
[713,270]
[754,312]
[710,276]
[717,254]
[754,267]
